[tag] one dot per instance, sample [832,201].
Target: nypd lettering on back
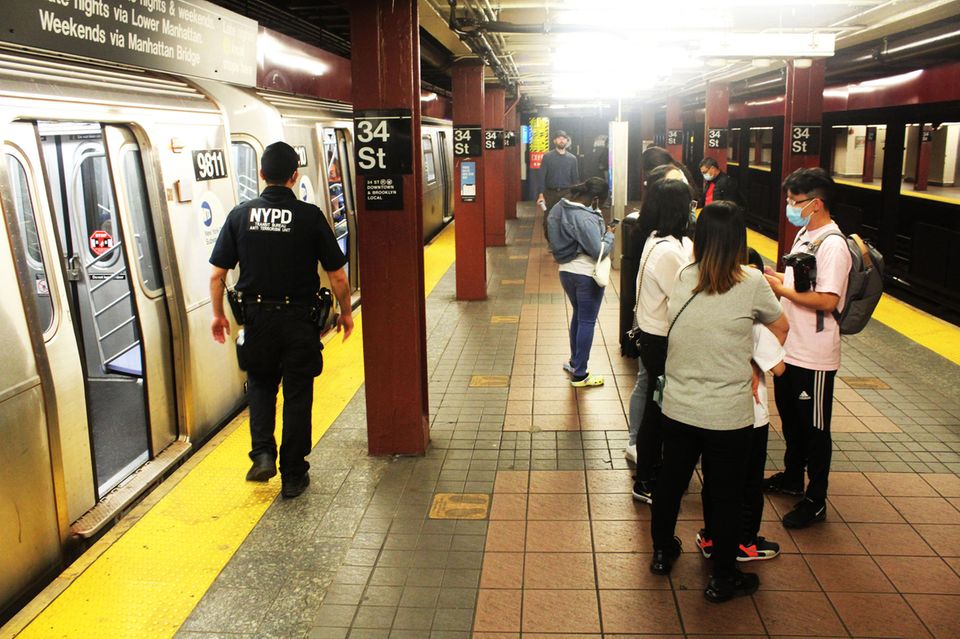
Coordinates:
[271,220]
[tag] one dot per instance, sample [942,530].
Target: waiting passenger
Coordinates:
[278,240]
[656,156]
[663,222]
[768,357]
[638,399]
[560,170]
[577,235]
[717,185]
[804,393]
[707,398]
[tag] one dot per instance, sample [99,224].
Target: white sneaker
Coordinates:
[630,453]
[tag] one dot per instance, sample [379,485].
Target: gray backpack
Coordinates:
[864,284]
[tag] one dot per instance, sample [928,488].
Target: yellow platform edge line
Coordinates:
[943,338]
[148,581]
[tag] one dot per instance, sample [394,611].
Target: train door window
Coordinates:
[733,145]
[146,244]
[346,174]
[25,217]
[335,184]
[931,160]
[857,153]
[429,164]
[761,148]
[245,166]
[101,216]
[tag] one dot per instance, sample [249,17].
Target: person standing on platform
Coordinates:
[717,185]
[560,170]
[278,241]
[578,235]
[707,397]
[804,393]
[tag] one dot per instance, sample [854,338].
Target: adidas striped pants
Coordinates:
[805,402]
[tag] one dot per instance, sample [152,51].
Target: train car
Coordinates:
[115,183]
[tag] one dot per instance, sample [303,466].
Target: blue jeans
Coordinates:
[638,401]
[585,295]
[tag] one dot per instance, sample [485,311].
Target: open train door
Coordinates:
[135,209]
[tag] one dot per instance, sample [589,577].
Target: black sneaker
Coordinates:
[643,491]
[662,562]
[758,550]
[294,486]
[805,513]
[739,584]
[264,467]
[778,483]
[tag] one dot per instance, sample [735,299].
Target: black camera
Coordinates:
[804,270]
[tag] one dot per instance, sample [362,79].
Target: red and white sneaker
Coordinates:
[705,544]
[758,550]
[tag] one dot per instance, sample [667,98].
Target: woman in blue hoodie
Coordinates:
[577,234]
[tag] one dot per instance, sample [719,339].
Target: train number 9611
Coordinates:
[209,165]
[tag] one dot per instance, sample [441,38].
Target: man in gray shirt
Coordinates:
[560,171]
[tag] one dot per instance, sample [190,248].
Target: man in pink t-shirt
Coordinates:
[804,393]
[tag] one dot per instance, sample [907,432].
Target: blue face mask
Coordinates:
[795,216]
[708,177]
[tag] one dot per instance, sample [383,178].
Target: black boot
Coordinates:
[294,485]
[736,584]
[264,467]
[663,558]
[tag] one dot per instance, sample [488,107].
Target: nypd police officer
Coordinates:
[278,240]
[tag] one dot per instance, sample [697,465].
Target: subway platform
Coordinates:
[519,523]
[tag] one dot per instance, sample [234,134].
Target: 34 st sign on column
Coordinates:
[383,143]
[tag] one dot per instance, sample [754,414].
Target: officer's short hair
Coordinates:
[279,162]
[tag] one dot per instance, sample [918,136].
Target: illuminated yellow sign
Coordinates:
[540,135]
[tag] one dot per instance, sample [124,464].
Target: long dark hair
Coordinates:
[720,247]
[594,188]
[666,210]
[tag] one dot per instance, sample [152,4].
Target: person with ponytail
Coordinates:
[579,237]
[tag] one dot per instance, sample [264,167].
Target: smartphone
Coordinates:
[614,221]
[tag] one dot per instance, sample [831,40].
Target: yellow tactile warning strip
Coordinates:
[147,583]
[939,336]
[504,319]
[460,506]
[868,383]
[858,185]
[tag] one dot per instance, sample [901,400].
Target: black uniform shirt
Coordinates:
[278,240]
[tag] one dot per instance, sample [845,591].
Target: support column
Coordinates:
[717,123]
[803,109]
[674,124]
[468,97]
[869,154]
[385,67]
[512,159]
[493,157]
[923,158]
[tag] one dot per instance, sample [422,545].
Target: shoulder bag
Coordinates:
[633,335]
[601,272]
[662,379]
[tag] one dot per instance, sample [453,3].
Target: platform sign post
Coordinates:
[385,68]
[803,118]
[469,169]
[494,105]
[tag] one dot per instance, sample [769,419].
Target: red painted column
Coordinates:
[803,105]
[869,153]
[495,165]
[385,64]
[675,123]
[512,160]
[717,118]
[468,97]
[924,156]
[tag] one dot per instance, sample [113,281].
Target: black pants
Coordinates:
[281,344]
[653,354]
[725,454]
[805,401]
[751,510]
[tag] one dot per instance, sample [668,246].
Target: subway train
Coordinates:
[115,183]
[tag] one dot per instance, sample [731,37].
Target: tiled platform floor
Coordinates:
[564,552]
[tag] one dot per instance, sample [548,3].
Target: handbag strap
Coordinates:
[643,267]
[682,308]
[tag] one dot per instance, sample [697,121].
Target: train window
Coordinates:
[429,165]
[856,158]
[245,164]
[338,196]
[27,222]
[98,206]
[139,203]
[761,148]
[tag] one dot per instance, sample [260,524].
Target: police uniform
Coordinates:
[278,240]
